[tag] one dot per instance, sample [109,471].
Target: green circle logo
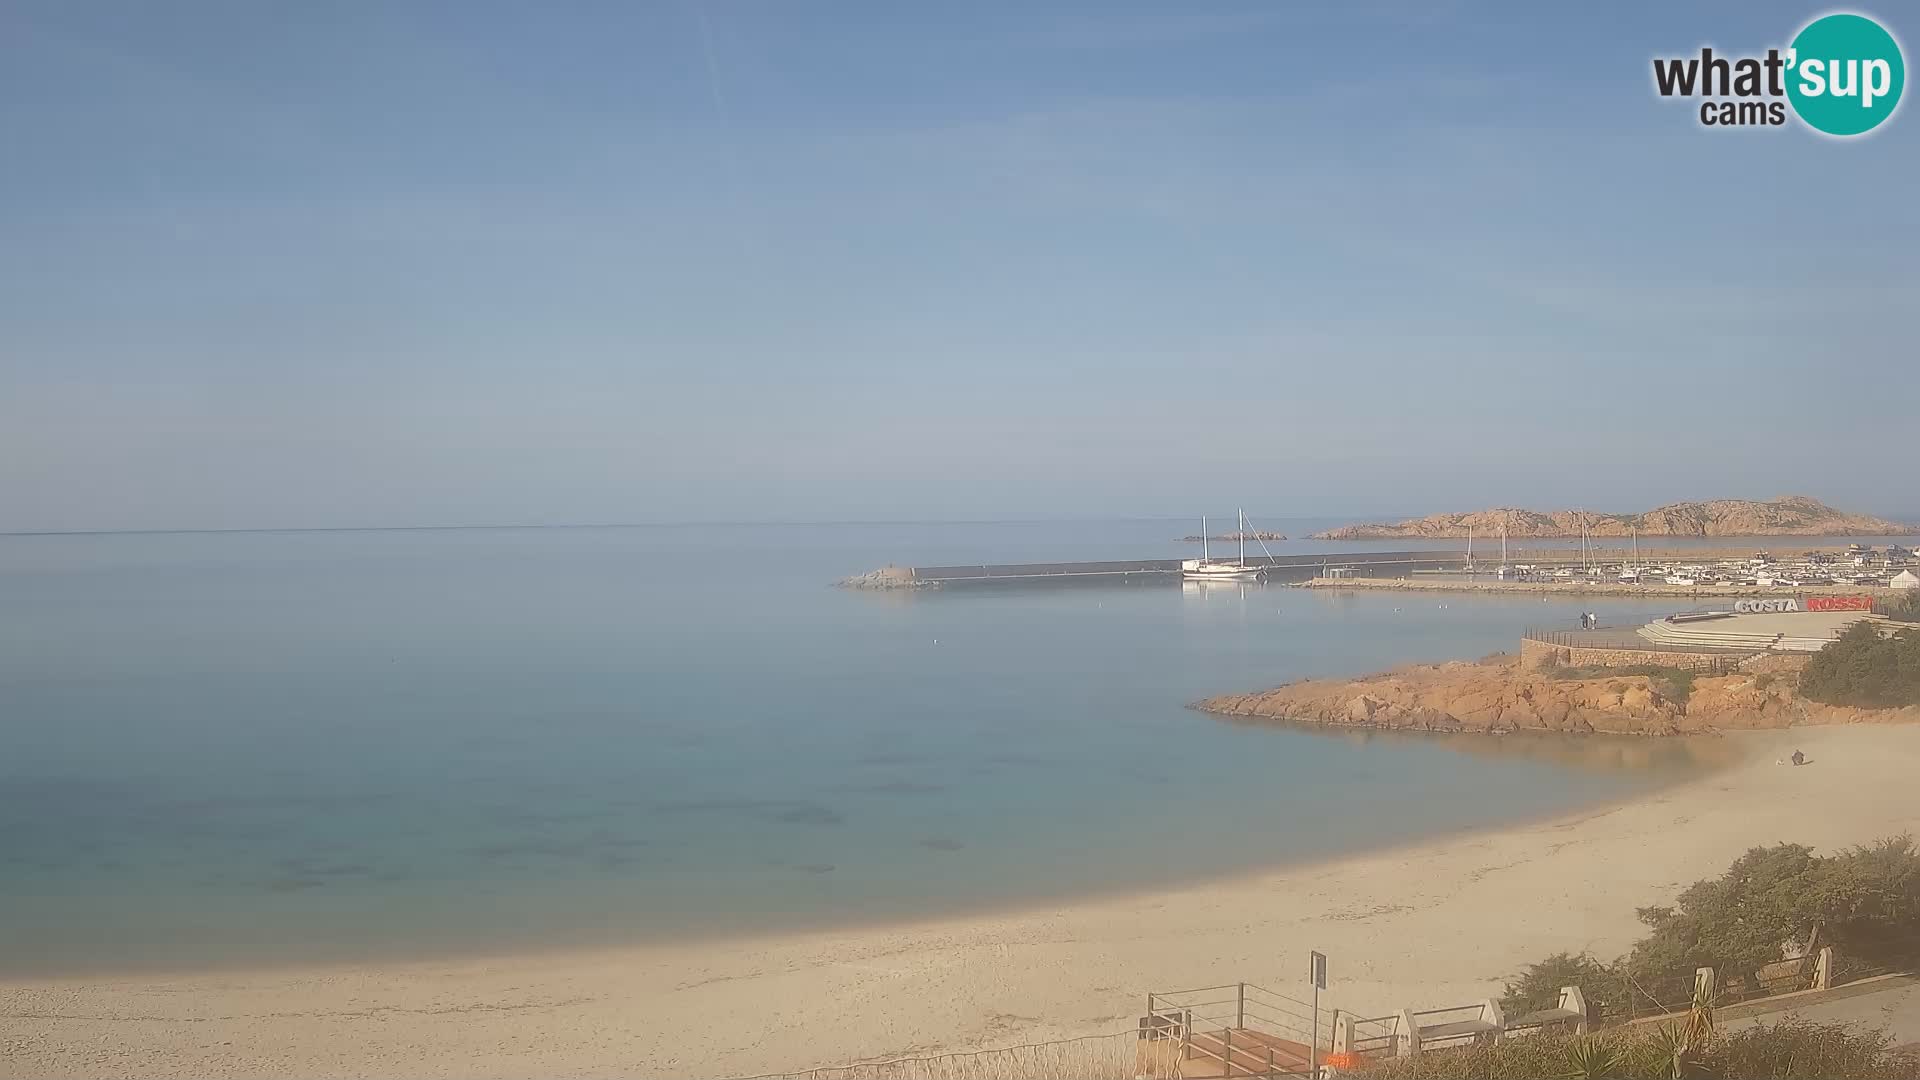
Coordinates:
[1845,74]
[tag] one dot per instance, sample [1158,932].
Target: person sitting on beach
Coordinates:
[1799,758]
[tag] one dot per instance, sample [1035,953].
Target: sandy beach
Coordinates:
[1439,923]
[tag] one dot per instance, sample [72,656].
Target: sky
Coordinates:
[374,263]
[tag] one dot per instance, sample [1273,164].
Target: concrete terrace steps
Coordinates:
[1658,634]
[1800,631]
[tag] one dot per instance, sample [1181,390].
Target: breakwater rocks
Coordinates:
[1499,696]
[887,577]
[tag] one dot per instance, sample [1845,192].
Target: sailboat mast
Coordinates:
[1242,530]
[1204,556]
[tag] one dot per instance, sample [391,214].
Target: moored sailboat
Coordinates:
[1207,568]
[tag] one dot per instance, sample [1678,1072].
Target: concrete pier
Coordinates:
[1279,567]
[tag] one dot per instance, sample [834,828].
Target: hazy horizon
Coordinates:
[1257,519]
[432,264]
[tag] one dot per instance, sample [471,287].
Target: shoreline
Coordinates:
[1453,742]
[1577,588]
[1435,922]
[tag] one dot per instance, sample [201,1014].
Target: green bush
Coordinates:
[1797,1048]
[1906,607]
[1865,669]
[1530,1058]
[1864,901]
[1673,683]
[1793,1049]
[1538,987]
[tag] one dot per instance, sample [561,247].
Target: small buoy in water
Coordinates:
[936,641]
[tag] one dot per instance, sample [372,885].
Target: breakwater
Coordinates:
[1292,568]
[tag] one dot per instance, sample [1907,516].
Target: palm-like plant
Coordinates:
[1592,1058]
[1690,1038]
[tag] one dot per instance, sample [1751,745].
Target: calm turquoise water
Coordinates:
[245,748]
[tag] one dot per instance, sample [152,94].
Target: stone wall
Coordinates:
[1534,653]
[1775,663]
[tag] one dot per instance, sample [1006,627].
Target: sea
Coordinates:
[262,748]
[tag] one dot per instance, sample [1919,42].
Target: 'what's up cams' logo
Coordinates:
[1841,76]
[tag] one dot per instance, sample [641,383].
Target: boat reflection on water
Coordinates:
[1594,753]
[1202,588]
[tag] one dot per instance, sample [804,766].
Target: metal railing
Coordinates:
[1440,1028]
[1377,1036]
[1245,1029]
[1647,1000]
[1883,955]
[1640,999]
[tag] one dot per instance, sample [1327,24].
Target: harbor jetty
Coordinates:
[1708,571]
[1289,568]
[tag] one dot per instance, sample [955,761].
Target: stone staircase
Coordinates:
[1804,632]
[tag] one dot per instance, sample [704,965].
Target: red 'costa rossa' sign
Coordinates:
[1839,603]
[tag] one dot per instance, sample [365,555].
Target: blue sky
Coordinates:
[414,263]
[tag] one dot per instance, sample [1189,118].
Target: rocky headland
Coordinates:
[1498,695]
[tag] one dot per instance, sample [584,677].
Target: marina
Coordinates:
[1723,571]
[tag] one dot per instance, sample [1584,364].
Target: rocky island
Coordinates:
[1794,515]
[1251,534]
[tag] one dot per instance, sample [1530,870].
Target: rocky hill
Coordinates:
[1794,515]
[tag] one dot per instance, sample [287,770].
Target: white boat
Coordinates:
[1207,568]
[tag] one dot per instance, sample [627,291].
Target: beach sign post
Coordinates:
[1317,974]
